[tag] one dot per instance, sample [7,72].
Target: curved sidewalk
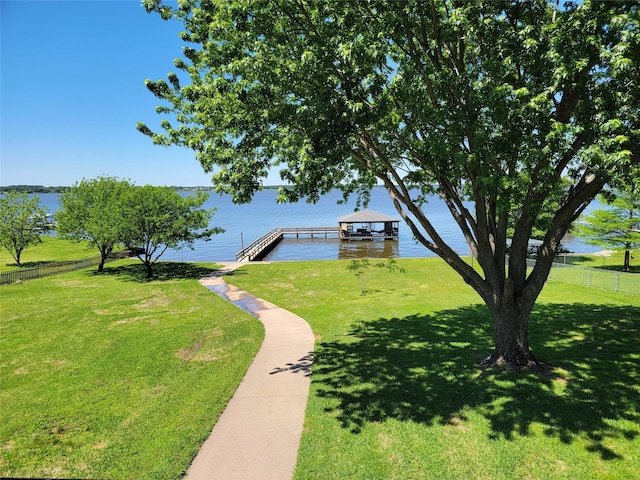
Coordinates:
[258,434]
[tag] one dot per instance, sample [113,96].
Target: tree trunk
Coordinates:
[627,260]
[149,269]
[105,251]
[511,338]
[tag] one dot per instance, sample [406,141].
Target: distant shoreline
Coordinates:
[35,189]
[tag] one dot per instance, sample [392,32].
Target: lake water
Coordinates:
[246,223]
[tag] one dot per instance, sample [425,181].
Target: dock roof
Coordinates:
[366,216]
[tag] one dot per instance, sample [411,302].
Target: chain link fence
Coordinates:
[622,282]
[563,270]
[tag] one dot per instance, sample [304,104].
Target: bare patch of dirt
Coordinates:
[124,321]
[10,445]
[457,422]
[109,312]
[153,302]
[204,349]
[54,472]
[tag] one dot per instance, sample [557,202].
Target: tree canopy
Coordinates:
[22,221]
[92,210]
[157,218]
[501,104]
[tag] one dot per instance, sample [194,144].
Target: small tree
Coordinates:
[362,269]
[616,227]
[156,218]
[92,210]
[22,220]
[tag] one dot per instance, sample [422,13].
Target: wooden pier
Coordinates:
[263,245]
[365,225]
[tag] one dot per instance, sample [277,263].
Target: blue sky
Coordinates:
[72,90]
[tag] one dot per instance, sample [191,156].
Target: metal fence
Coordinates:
[623,282]
[562,270]
[47,269]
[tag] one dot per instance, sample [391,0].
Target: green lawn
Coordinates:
[51,250]
[396,391]
[614,261]
[112,376]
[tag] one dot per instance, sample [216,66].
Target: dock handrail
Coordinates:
[256,247]
[326,231]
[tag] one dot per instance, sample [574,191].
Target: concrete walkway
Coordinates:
[258,434]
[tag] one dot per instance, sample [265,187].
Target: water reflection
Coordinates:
[369,249]
[332,248]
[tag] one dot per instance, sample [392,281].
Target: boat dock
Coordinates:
[362,225]
[263,245]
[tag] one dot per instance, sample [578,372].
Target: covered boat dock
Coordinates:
[363,225]
[368,225]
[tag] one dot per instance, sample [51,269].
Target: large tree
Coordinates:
[492,102]
[156,218]
[91,210]
[22,221]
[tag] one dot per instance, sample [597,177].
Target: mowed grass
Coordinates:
[614,260]
[112,376]
[397,394]
[51,250]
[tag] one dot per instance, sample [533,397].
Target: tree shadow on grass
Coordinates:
[236,273]
[40,263]
[618,268]
[162,271]
[421,369]
[600,263]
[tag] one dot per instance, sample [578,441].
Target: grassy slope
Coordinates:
[98,375]
[51,250]
[396,392]
[111,376]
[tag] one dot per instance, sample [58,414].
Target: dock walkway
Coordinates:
[263,245]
